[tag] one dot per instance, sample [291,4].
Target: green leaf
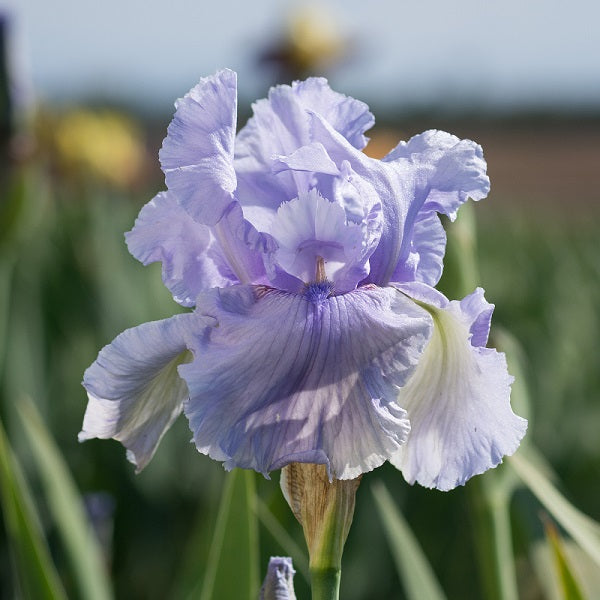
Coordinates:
[6,267]
[489,504]
[568,582]
[233,561]
[584,530]
[66,507]
[415,572]
[582,566]
[36,573]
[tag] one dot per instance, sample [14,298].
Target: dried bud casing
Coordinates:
[325,510]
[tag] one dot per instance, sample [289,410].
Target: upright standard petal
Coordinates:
[433,172]
[134,390]
[450,170]
[446,172]
[393,187]
[425,259]
[197,154]
[284,379]
[348,116]
[280,126]
[458,400]
[164,232]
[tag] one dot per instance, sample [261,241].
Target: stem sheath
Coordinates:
[324,509]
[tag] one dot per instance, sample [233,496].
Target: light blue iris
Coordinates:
[316,335]
[279,582]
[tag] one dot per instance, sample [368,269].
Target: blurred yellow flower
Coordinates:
[103,143]
[309,44]
[315,40]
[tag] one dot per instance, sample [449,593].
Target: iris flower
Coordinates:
[316,333]
[279,582]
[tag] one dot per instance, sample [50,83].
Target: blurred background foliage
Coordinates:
[73,179]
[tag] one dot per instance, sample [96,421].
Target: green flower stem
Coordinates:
[325,583]
[490,498]
[326,555]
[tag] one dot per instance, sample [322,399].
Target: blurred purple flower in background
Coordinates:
[317,335]
[279,581]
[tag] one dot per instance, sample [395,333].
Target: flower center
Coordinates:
[311,229]
[320,276]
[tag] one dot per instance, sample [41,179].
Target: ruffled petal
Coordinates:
[433,172]
[197,154]
[282,379]
[450,170]
[425,260]
[446,172]
[134,390]
[280,126]
[476,313]
[311,158]
[350,117]
[458,400]
[393,187]
[165,232]
[358,197]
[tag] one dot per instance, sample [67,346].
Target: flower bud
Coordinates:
[324,508]
[279,582]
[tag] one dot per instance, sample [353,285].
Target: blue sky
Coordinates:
[486,53]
